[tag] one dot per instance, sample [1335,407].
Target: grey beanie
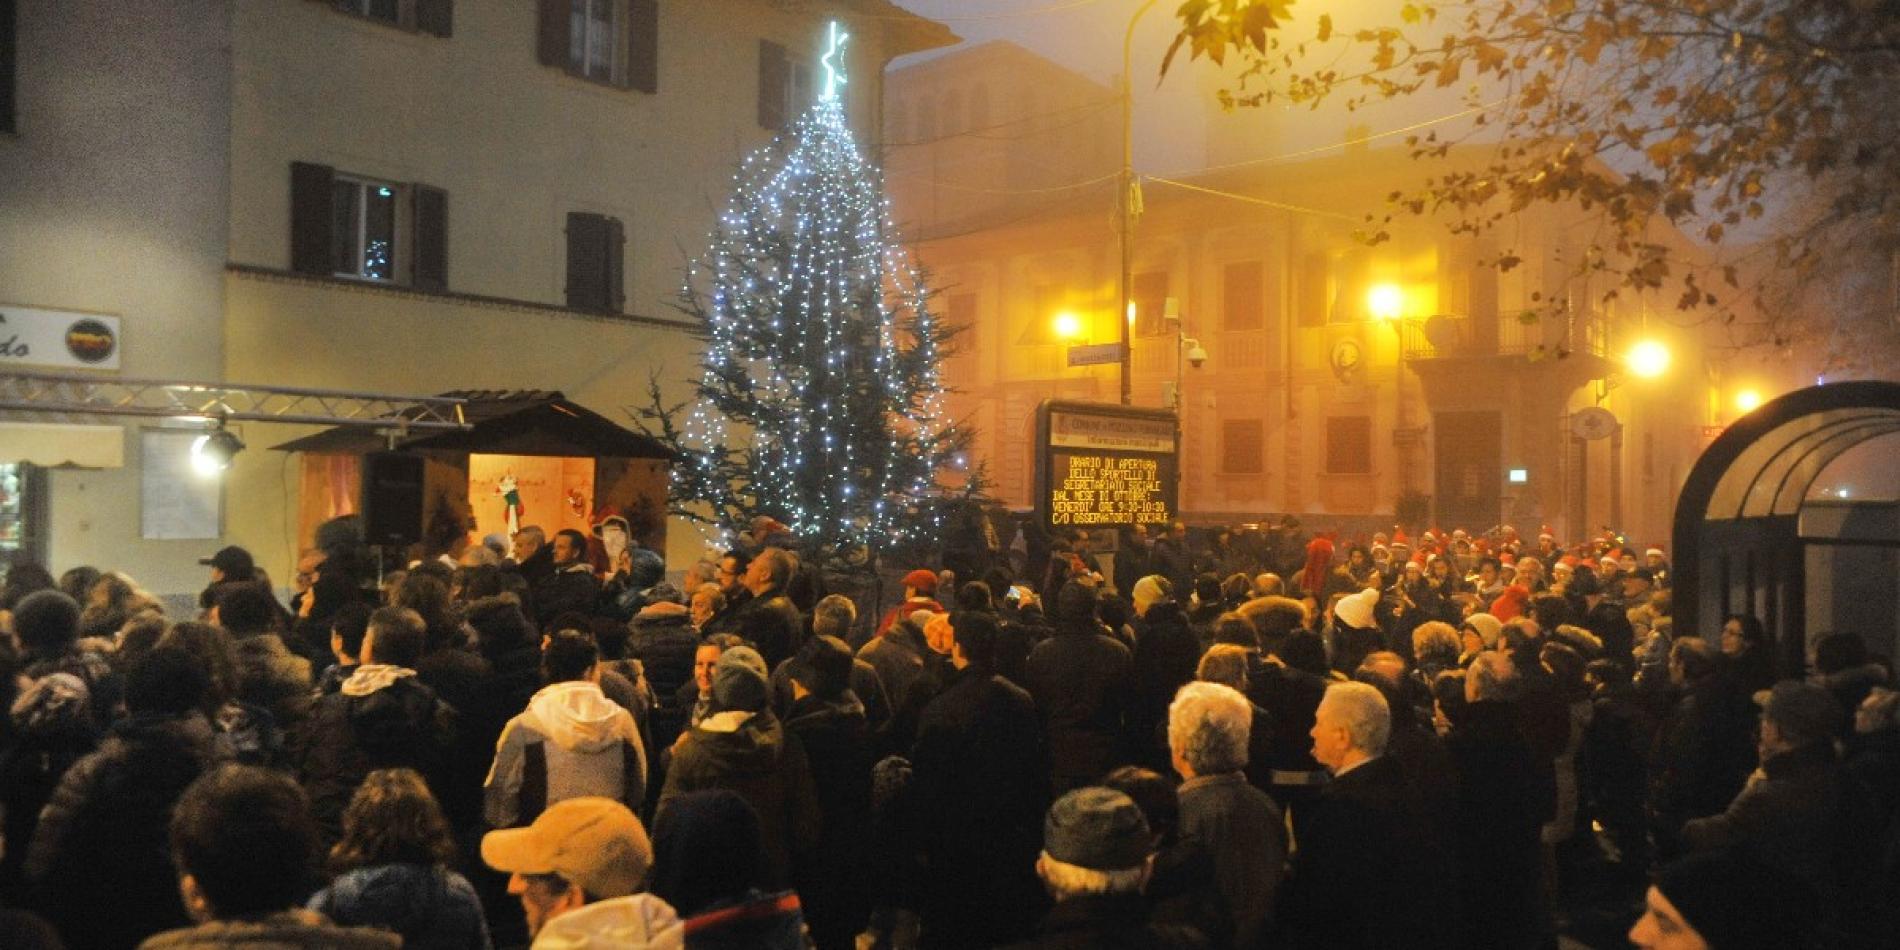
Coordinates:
[739,680]
[1097,828]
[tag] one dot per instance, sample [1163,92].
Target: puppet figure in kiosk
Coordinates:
[510,491]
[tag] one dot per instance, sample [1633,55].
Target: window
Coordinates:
[1149,293]
[363,239]
[434,17]
[611,42]
[596,263]
[1243,296]
[344,225]
[1242,447]
[1349,445]
[175,501]
[7,47]
[784,86]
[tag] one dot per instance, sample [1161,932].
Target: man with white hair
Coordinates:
[1367,872]
[1237,824]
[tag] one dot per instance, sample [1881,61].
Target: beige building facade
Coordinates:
[416,196]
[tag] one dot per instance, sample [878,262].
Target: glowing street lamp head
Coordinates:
[1648,359]
[1385,301]
[1747,400]
[1067,325]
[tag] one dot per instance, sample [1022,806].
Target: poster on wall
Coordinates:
[1106,466]
[64,339]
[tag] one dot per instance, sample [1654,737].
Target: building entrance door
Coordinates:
[1468,448]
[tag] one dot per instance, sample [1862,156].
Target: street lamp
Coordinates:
[1648,359]
[1386,301]
[1747,400]
[1067,325]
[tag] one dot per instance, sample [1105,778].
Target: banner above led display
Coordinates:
[1105,466]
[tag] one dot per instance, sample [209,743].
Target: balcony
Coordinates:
[1448,337]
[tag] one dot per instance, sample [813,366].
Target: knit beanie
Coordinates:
[739,680]
[1487,627]
[1150,590]
[1356,610]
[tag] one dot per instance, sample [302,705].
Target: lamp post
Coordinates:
[1386,303]
[1125,196]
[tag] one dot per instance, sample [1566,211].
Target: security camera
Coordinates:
[1195,354]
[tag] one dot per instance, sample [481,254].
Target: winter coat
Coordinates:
[898,657]
[835,735]
[1245,833]
[1792,815]
[750,753]
[1108,922]
[1290,697]
[117,802]
[1165,657]
[51,729]
[1704,752]
[864,685]
[274,679]
[772,625]
[1083,682]
[431,908]
[382,717]
[1173,559]
[291,930]
[571,742]
[453,672]
[978,792]
[1494,830]
[105,687]
[1367,873]
[571,588]
[662,638]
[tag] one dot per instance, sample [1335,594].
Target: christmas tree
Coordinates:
[819,401]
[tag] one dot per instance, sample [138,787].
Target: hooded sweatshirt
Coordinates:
[623,923]
[571,742]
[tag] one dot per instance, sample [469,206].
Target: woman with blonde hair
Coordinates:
[392,870]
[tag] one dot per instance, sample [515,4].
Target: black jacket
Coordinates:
[978,793]
[765,765]
[1165,657]
[101,842]
[664,643]
[1083,681]
[1367,873]
[1500,806]
[571,588]
[831,887]
[402,725]
[772,625]
[1108,922]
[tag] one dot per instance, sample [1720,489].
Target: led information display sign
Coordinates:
[1106,466]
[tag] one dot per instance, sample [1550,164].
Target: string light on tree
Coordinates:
[819,400]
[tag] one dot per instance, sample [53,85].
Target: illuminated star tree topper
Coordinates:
[819,400]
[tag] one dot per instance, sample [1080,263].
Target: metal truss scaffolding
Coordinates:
[57,394]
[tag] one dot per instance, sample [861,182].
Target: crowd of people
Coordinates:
[1231,738]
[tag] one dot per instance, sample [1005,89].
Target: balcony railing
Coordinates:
[1445,336]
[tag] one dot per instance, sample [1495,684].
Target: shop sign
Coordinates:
[32,336]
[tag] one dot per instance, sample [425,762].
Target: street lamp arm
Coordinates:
[1124,197]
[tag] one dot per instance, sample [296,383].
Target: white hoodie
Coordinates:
[625,923]
[581,735]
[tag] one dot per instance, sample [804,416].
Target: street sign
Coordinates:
[1095,355]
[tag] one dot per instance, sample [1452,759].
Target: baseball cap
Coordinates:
[234,561]
[593,842]
[921,581]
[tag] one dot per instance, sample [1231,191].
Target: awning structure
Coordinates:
[1739,543]
[53,444]
[502,422]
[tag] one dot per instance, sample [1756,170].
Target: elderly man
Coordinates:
[1209,726]
[1366,872]
[1097,856]
[578,871]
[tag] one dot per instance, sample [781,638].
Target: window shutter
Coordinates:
[586,261]
[643,45]
[774,74]
[616,266]
[435,17]
[8,47]
[552,33]
[431,270]
[312,218]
